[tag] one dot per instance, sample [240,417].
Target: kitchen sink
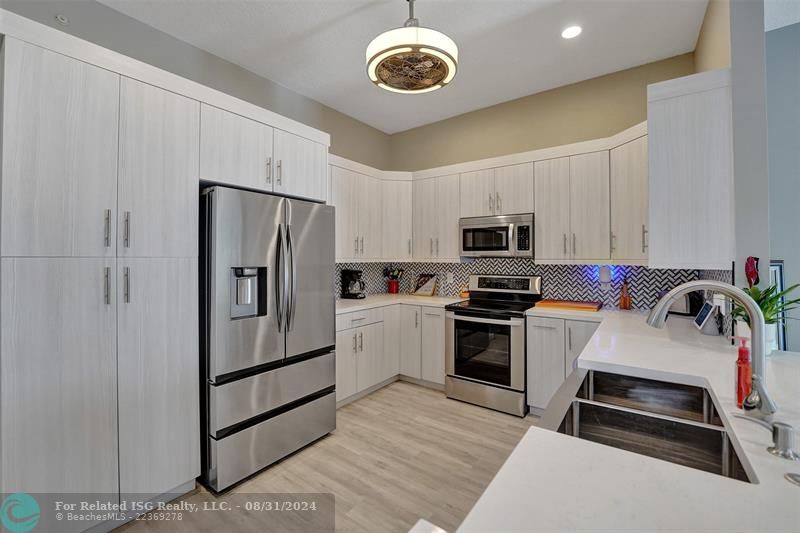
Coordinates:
[668,421]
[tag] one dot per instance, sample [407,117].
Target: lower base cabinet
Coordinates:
[406,340]
[553,346]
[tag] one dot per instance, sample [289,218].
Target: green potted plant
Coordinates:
[773,304]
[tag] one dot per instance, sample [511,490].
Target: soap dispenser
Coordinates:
[744,372]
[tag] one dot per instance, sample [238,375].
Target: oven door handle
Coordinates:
[514,322]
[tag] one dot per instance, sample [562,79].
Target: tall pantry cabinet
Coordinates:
[98,280]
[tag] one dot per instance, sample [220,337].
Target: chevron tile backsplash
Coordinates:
[565,282]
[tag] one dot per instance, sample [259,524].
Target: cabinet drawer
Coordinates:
[241,400]
[359,318]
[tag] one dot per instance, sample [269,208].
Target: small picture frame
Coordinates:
[426,285]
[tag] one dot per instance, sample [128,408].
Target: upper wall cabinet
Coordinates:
[397,225]
[497,191]
[235,150]
[589,206]
[691,172]
[301,167]
[629,201]
[158,168]
[436,212]
[59,175]
[359,218]
[572,208]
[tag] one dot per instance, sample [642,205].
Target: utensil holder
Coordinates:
[393,286]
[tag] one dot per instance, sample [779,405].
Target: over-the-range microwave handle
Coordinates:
[514,322]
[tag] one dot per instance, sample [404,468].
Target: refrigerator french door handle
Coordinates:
[292,296]
[279,285]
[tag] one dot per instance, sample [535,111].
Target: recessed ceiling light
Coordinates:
[61,19]
[571,32]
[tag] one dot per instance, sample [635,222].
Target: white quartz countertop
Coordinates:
[382,300]
[553,482]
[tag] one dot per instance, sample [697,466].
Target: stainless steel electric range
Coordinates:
[485,342]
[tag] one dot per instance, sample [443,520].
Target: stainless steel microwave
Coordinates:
[499,236]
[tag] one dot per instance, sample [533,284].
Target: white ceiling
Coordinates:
[507,48]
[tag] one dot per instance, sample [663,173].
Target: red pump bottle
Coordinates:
[744,372]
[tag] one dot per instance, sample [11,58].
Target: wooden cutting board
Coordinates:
[570,305]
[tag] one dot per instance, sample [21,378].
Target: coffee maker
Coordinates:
[353,287]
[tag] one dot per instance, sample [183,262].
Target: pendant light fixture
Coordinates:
[412,59]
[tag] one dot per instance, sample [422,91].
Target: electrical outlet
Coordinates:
[722,302]
[450,277]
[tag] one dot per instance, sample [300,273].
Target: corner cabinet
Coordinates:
[629,201]
[358,199]
[397,225]
[690,142]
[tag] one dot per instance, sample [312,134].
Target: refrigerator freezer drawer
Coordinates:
[240,400]
[244,453]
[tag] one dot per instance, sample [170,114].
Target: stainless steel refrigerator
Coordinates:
[267,330]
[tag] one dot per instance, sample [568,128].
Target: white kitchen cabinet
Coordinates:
[577,334]
[546,359]
[411,342]
[158,169]
[59,173]
[58,376]
[590,222]
[235,150]
[370,360]
[477,193]
[629,201]
[424,218]
[301,167]
[690,145]
[392,341]
[551,201]
[359,219]
[553,346]
[513,186]
[446,210]
[433,332]
[159,404]
[346,353]
[397,226]
[370,218]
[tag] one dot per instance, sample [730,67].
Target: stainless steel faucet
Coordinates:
[758,399]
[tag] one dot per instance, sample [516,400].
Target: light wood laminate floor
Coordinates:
[402,453]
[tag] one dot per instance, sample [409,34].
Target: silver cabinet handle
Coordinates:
[431,246]
[644,238]
[269,170]
[437,246]
[107,285]
[569,338]
[126,285]
[126,229]
[107,228]
[355,249]
[362,245]
[491,205]
[409,247]
[612,240]
[280,172]
[355,343]
[565,245]
[361,342]
[416,319]
[498,203]
[574,253]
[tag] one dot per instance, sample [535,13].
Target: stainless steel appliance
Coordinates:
[500,236]
[267,338]
[485,342]
[353,287]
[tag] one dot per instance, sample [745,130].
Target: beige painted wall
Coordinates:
[586,110]
[713,49]
[111,29]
